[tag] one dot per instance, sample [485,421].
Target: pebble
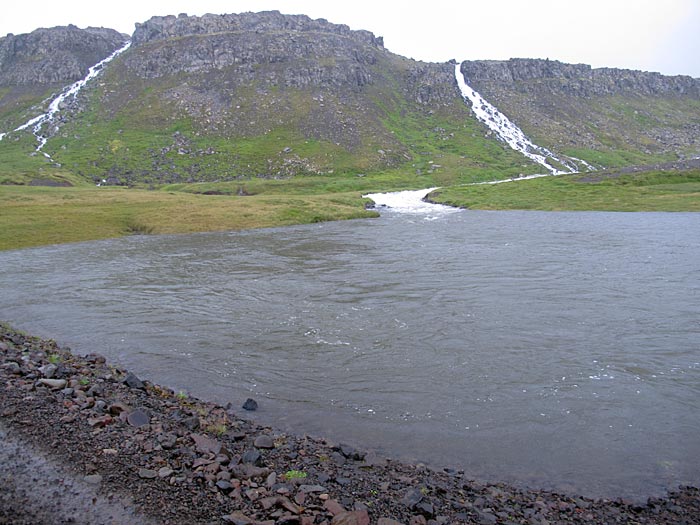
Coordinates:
[48,371]
[12,368]
[93,479]
[138,418]
[134,382]
[54,384]
[250,404]
[146,473]
[264,441]
[165,472]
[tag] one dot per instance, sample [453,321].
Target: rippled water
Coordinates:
[556,350]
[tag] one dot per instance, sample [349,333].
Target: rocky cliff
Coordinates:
[620,115]
[60,55]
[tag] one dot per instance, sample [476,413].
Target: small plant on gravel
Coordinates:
[181,395]
[219,429]
[84,381]
[295,474]
[54,359]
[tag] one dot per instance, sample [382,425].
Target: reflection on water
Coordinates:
[552,349]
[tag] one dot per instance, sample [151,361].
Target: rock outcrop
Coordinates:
[60,55]
[578,80]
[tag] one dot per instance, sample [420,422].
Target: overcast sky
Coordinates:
[651,35]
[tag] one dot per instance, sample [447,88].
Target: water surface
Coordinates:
[555,350]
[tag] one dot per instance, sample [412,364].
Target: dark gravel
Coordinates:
[86,442]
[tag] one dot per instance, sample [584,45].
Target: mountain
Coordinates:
[265,95]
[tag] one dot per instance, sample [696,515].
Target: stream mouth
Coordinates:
[551,350]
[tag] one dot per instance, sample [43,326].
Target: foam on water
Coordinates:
[411,202]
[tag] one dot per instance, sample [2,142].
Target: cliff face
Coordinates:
[621,115]
[60,55]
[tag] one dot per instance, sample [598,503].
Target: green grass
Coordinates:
[650,191]
[34,216]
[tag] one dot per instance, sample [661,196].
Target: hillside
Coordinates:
[259,96]
[609,117]
[234,97]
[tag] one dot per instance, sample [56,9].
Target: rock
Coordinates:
[426,508]
[54,384]
[224,485]
[93,479]
[117,408]
[237,518]
[146,473]
[167,441]
[192,423]
[356,517]
[351,452]
[264,441]
[412,498]
[138,418]
[4,347]
[417,520]
[99,422]
[165,472]
[12,368]
[333,507]
[48,371]
[250,405]
[205,445]
[134,382]
[252,457]
[388,521]
[310,489]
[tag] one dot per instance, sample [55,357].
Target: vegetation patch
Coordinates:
[648,191]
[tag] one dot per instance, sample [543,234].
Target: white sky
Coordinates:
[651,35]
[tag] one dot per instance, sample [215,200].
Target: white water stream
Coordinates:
[512,134]
[411,202]
[38,122]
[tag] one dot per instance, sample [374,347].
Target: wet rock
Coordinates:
[351,452]
[264,441]
[134,382]
[54,384]
[250,404]
[138,418]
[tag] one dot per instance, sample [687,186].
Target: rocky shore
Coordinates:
[83,441]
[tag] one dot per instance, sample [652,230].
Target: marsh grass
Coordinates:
[35,216]
[649,191]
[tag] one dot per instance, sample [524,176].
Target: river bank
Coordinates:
[151,455]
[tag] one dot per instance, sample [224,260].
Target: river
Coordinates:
[553,350]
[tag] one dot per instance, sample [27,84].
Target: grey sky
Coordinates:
[651,35]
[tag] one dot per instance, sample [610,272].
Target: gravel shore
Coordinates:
[82,441]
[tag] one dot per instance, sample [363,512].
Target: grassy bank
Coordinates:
[649,191]
[34,216]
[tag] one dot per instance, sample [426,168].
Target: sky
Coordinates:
[650,35]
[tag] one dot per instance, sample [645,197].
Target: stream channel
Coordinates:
[551,350]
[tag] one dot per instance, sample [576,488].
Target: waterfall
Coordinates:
[511,134]
[37,123]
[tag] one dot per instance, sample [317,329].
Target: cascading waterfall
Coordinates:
[512,134]
[38,122]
